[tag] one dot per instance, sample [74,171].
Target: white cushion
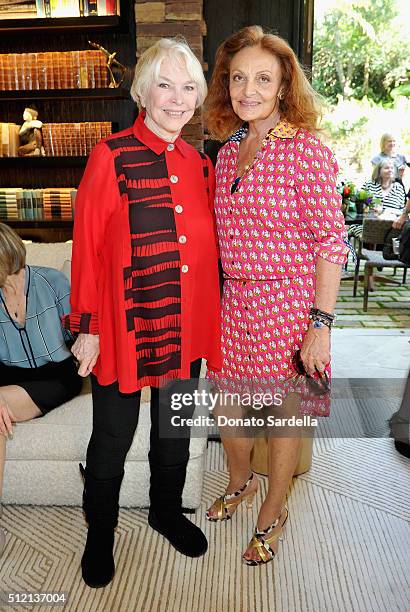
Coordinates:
[50,254]
[63,434]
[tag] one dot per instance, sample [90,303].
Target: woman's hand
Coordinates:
[86,350]
[400,221]
[315,351]
[6,418]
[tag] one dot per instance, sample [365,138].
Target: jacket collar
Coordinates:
[284,129]
[154,142]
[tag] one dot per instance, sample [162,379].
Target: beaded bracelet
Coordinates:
[321,313]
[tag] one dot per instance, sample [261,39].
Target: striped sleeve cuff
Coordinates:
[81,323]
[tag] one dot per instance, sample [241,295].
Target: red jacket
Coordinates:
[144,268]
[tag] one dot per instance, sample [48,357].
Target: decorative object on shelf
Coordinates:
[112,63]
[31,138]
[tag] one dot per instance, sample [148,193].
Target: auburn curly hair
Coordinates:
[300,104]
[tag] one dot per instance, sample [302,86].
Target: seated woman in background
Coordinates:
[37,371]
[388,151]
[390,192]
[383,186]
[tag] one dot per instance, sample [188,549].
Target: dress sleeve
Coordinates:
[97,198]
[320,202]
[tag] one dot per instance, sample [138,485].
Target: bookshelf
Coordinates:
[50,162]
[40,231]
[119,93]
[32,26]
[115,33]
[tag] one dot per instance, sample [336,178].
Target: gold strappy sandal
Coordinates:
[262,541]
[229,500]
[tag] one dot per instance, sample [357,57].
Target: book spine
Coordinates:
[90,69]
[15,71]
[77,139]
[103,69]
[33,71]
[57,68]
[76,69]
[102,7]
[5,140]
[3,78]
[8,78]
[98,77]
[64,59]
[83,70]
[40,8]
[111,7]
[92,7]
[13,139]
[47,8]
[42,70]
[51,70]
[20,70]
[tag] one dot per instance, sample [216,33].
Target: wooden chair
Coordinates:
[374,231]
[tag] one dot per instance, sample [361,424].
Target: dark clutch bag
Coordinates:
[318,385]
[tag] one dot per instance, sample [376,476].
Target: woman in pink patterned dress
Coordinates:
[282,243]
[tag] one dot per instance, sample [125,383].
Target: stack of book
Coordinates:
[9,137]
[53,70]
[74,138]
[17,9]
[37,204]
[28,9]
[76,8]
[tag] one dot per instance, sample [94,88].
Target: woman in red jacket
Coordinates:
[145,295]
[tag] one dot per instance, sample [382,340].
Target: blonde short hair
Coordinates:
[383,140]
[149,65]
[12,253]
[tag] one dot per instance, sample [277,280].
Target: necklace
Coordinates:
[14,303]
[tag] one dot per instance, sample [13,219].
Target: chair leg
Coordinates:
[367,272]
[404,276]
[356,276]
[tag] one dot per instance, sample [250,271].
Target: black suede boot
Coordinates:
[165,513]
[100,504]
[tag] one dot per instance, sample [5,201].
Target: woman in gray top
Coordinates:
[37,370]
[388,151]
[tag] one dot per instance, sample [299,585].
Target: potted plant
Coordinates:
[348,193]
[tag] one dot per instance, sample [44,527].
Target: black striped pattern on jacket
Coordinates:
[152,282]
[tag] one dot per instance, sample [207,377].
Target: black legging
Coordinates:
[115,419]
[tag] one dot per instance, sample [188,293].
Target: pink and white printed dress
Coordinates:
[284,214]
